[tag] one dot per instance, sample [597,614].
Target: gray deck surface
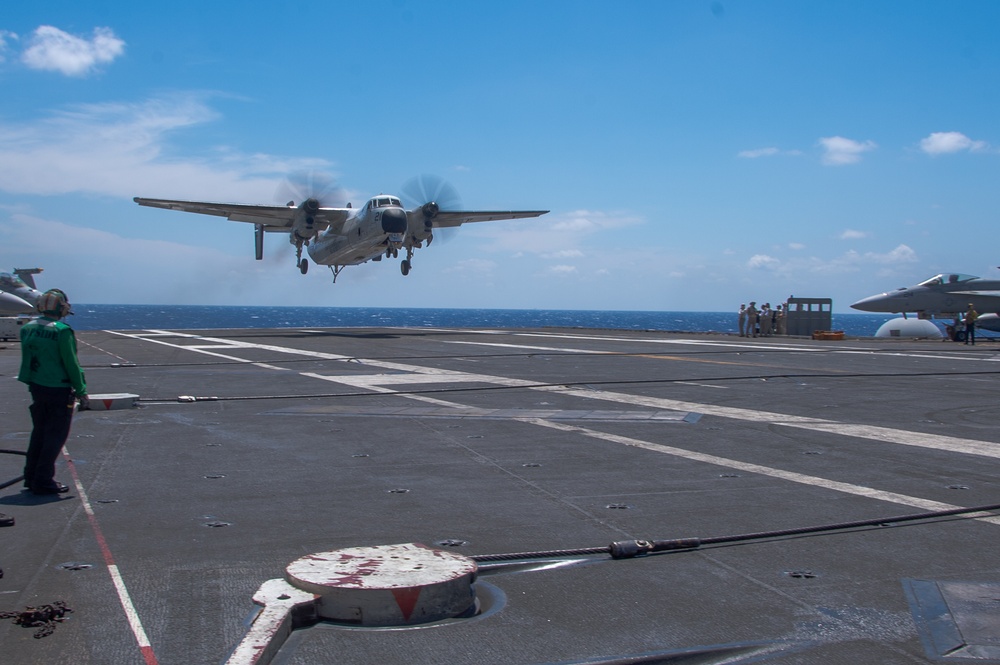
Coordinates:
[519,441]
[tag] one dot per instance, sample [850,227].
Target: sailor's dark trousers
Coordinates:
[51,415]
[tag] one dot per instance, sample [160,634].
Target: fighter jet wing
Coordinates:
[273,218]
[448,218]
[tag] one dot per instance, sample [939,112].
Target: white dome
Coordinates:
[909,328]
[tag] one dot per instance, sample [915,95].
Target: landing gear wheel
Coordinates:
[304,266]
[404,267]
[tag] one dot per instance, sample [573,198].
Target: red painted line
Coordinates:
[123,596]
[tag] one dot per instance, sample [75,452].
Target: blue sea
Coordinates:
[181,317]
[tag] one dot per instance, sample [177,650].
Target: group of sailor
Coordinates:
[763,322]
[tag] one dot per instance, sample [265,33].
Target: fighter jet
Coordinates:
[17,291]
[944,296]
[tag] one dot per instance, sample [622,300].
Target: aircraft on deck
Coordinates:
[17,291]
[345,236]
[944,296]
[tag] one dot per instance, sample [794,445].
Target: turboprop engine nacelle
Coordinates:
[430,211]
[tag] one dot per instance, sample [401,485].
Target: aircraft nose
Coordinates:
[394,221]
[871,303]
[9,303]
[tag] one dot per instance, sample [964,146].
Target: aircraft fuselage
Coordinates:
[16,297]
[377,228]
[945,296]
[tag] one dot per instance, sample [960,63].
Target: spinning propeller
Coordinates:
[315,189]
[310,191]
[432,194]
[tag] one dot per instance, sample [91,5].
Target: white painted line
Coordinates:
[123,595]
[410,379]
[813,481]
[528,348]
[872,432]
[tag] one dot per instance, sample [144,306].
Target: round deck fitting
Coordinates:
[112,401]
[387,585]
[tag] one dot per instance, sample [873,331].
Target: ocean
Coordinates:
[186,317]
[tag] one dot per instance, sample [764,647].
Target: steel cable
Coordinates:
[627,549]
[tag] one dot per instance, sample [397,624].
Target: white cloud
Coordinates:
[759,152]
[473,267]
[840,151]
[5,36]
[763,261]
[902,254]
[851,234]
[564,254]
[561,270]
[51,49]
[797,246]
[117,150]
[767,152]
[554,235]
[84,261]
[941,143]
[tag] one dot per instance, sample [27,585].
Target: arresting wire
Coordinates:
[628,549]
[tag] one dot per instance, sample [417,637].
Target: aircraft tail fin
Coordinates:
[27,274]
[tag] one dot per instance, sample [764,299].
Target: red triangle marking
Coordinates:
[407,600]
[107,404]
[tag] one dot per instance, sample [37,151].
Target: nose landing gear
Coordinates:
[406,264]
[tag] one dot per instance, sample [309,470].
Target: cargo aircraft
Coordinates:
[346,236]
[944,296]
[17,291]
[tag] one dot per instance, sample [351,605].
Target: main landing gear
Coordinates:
[301,263]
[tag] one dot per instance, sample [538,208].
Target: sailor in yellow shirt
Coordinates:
[50,367]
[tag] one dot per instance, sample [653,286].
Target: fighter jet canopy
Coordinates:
[947,278]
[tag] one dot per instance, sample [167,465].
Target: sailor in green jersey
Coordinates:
[50,367]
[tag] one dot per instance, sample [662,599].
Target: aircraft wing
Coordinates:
[448,218]
[273,218]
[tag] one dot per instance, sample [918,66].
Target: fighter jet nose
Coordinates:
[11,304]
[870,304]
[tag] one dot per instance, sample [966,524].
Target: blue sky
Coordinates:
[694,155]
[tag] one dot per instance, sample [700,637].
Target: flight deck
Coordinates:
[808,491]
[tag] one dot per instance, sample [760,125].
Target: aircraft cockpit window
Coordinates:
[947,278]
[386,201]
